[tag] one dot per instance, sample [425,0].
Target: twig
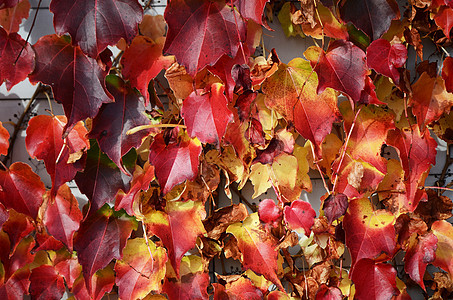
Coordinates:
[29,33]
[438,188]
[251,206]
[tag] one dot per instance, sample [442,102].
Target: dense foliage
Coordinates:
[153,166]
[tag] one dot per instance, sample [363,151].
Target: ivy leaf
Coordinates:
[444,19]
[17,286]
[368,232]
[21,189]
[257,247]
[101,238]
[13,72]
[178,227]
[386,58]
[141,270]
[100,179]
[62,217]
[373,17]
[13,262]
[374,280]
[269,212]
[420,252]
[241,286]
[291,91]
[430,99]
[4,140]
[335,206]
[10,18]
[151,62]
[300,216]
[444,233]
[17,227]
[417,152]
[77,81]
[61,156]
[96,24]
[175,162]
[46,283]
[206,114]
[342,68]
[191,286]
[252,9]
[102,282]
[114,120]
[8,3]
[447,73]
[68,267]
[328,293]
[214,29]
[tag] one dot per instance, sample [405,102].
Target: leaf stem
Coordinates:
[439,188]
[143,127]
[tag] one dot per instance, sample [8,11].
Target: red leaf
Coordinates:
[231,290]
[62,217]
[17,227]
[300,215]
[421,252]
[21,189]
[17,286]
[192,286]
[70,269]
[444,19]
[175,162]
[335,206]
[100,180]
[252,9]
[206,115]
[371,16]
[102,282]
[417,152]
[269,212]
[444,233]
[178,228]
[77,81]
[447,73]
[374,280]
[342,68]
[8,3]
[96,24]
[151,62]
[368,232]
[214,29]
[13,72]
[115,119]
[4,215]
[47,242]
[46,283]
[101,238]
[140,181]
[10,18]
[385,58]
[291,91]
[20,258]
[4,140]
[282,142]
[328,293]
[44,141]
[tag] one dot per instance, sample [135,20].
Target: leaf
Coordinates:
[102,282]
[299,216]
[101,238]
[4,215]
[373,17]
[444,233]
[174,163]
[328,293]
[206,114]
[22,256]
[335,206]
[12,72]
[178,227]
[269,212]
[96,24]
[430,99]
[252,10]
[444,19]
[386,58]
[242,286]
[69,268]
[100,180]
[151,62]
[291,91]
[216,224]
[141,270]
[77,81]
[46,283]
[420,252]
[342,68]
[4,140]
[62,217]
[374,280]
[368,233]
[447,73]
[44,141]
[114,120]
[214,29]
[192,286]
[257,247]
[17,227]
[369,133]
[8,3]
[10,18]
[417,151]
[16,287]
[21,189]
[326,24]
